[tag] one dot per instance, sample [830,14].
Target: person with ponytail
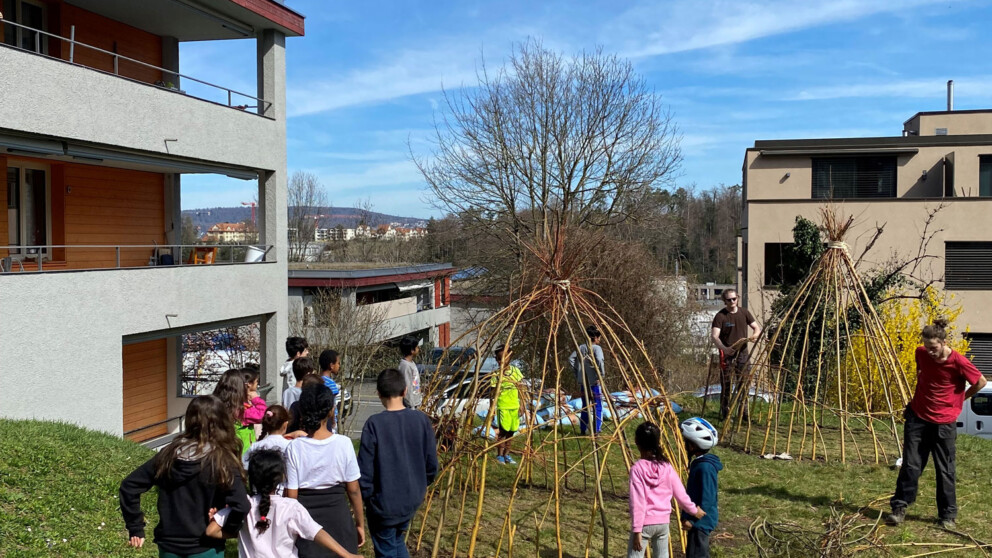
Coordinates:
[942,379]
[233,392]
[322,473]
[275,423]
[653,484]
[199,471]
[274,524]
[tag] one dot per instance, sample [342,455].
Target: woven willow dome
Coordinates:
[567,495]
[827,383]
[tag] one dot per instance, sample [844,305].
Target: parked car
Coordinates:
[345,403]
[454,358]
[976,415]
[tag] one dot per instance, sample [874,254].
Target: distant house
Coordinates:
[412,299]
[228,232]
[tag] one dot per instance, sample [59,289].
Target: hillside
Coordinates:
[347,217]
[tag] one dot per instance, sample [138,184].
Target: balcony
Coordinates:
[136,300]
[116,100]
[91,257]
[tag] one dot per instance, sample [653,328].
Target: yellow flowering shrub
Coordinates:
[903,320]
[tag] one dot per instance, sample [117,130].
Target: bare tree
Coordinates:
[307,199]
[549,141]
[364,229]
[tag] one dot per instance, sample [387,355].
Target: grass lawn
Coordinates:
[58,488]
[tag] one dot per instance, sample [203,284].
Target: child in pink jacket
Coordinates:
[653,483]
[256,406]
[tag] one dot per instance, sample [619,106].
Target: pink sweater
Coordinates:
[254,411]
[652,486]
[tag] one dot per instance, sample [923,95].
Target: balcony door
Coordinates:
[30,14]
[29,208]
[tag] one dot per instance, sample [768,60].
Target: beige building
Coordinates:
[942,160]
[229,232]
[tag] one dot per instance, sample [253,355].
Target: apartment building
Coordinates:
[229,232]
[99,126]
[404,300]
[942,160]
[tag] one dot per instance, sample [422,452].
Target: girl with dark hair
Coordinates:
[198,471]
[275,523]
[274,425]
[322,472]
[255,406]
[653,483]
[233,392]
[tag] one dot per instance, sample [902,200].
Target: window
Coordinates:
[28,208]
[985,176]
[980,350]
[981,404]
[854,177]
[968,266]
[775,263]
[29,14]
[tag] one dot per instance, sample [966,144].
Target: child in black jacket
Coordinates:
[199,470]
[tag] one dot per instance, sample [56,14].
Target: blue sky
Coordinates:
[368,76]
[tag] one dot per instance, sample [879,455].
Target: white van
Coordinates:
[976,415]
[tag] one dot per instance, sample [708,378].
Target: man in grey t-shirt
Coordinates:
[587,364]
[409,348]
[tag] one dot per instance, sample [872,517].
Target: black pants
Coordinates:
[921,439]
[732,371]
[697,544]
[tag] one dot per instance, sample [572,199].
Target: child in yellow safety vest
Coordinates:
[507,400]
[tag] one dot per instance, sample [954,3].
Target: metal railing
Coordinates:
[260,107]
[128,256]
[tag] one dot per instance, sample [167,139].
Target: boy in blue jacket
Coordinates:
[700,437]
[397,459]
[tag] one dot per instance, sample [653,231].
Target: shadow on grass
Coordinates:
[780,493]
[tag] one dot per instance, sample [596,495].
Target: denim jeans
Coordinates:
[697,544]
[654,535]
[921,439]
[596,397]
[388,540]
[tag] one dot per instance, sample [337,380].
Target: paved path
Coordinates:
[364,403]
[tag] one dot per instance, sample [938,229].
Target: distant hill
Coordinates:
[347,217]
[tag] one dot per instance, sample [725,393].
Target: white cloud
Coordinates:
[667,27]
[410,72]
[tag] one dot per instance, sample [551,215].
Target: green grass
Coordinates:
[61,482]
[58,492]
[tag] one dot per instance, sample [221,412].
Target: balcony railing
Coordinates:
[235,99]
[51,258]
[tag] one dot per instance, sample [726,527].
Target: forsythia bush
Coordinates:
[903,320]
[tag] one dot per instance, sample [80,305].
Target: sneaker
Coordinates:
[499,459]
[509,460]
[896,518]
[947,524]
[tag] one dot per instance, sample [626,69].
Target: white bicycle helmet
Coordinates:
[699,432]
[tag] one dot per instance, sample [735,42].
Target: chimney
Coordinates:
[950,95]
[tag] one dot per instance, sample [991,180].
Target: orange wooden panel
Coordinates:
[145,387]
[113,36]
[113,207]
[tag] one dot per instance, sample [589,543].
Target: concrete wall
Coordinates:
[903,220]
[71,324]
[47,96]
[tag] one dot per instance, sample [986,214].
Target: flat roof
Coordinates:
[305,274]
[892,143]
[942,112]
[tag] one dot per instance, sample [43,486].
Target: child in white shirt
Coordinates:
[274,523]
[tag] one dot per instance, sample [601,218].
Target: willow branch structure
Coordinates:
[827,383]
[568,488]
